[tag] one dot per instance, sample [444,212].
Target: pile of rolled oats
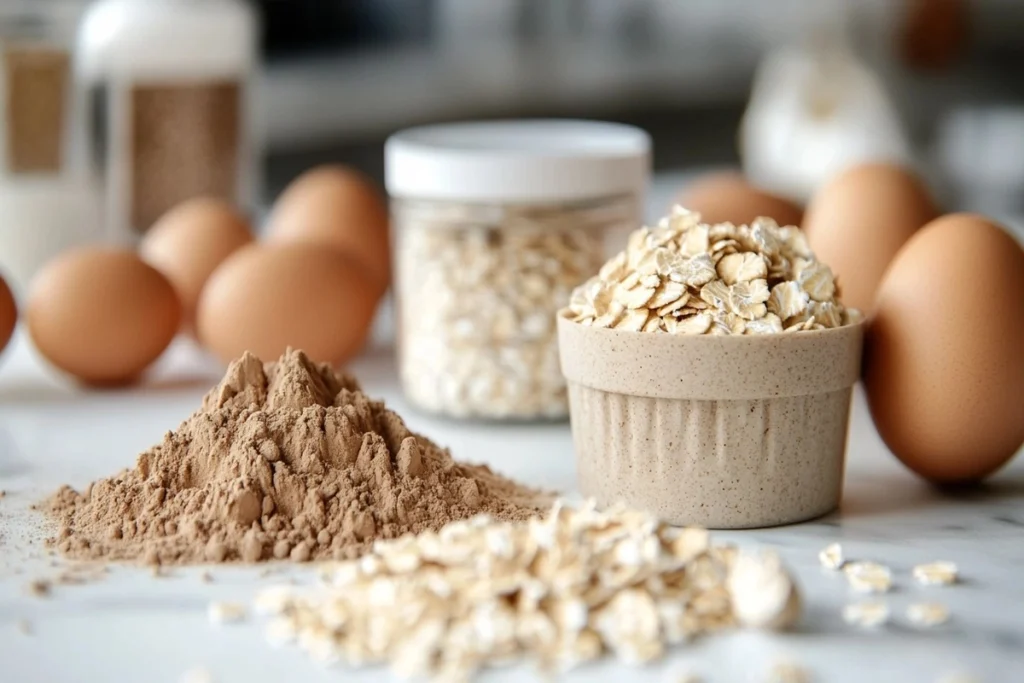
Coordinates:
[560,590]
[689,277]
[477,312]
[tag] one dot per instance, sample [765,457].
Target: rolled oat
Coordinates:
[560,590]
[688,277]
[477,301]
[927,614]
[936,574]
[868,614]
[868,577]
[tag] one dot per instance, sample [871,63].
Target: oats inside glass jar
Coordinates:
[478,288]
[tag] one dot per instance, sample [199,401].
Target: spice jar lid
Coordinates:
[517,161]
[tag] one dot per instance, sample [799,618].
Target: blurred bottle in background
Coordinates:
[171,93]
[48,203]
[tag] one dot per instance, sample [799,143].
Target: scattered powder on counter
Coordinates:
[24,627]
[283,460]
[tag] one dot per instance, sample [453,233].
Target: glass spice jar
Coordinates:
[494,224]
[48,202]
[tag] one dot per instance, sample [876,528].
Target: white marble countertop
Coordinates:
[133,627]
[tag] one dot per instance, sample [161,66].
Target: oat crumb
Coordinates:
[928,614]
[788,672]
[868,614]
[39,588]
[588,582]
[868,577]
[939,573]
[206,577]
[24,627]
[831,557]
[220,612]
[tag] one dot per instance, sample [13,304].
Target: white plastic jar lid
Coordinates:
[545,160]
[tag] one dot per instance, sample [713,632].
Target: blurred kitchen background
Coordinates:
[791,90]
[343,74]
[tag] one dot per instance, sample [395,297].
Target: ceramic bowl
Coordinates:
[717,431]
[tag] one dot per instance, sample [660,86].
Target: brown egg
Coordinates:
[944,361]
[189,242]
[267,298]
[858,221]
[728,197]
[337,206]
[102,314]
[8,314]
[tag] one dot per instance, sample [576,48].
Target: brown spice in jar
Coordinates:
[284,460]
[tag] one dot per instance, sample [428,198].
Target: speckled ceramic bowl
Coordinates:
[723,432]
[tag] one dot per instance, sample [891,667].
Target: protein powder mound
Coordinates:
[283,460]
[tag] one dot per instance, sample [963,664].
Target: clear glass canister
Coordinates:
[494,224]
[39,111]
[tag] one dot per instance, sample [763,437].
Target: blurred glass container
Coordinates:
[47,202]
[170,88]
[813,112]
[39,107]
[494,224]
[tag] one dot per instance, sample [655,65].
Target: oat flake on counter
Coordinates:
[868,577]
[936,573]
[688,277]
[560,591]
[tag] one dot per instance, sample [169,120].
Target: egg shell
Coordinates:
[340,207]
[858,221]
[8,314]
[189,242]
[267,298]
[729,197]
[944,364]
[102,314]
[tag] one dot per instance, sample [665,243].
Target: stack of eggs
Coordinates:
[944,295]
[103,315]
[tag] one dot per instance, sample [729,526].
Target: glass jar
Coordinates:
[170,87]
[39,112]
[494,224]
[47,200]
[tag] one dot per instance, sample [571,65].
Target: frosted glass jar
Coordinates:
[170,90]
[39,110]
[493,225]
[47,202]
